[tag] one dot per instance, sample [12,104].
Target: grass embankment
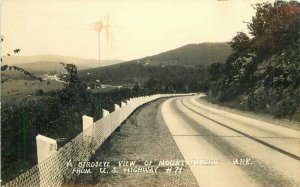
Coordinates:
[143,136]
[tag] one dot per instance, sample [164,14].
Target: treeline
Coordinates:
[169,78]
[263,71]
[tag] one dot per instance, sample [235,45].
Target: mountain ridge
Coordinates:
[51,62]
[192,54]
[174,65]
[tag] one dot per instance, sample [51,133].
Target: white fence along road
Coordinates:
[52,168]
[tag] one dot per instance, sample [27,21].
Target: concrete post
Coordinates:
[86,122]
[106,132]
[116,107]
[130,103]
[123,114]
[104,113]
[46,147]
[88,135]
[123,104]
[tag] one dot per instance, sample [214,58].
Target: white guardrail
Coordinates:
[52,169]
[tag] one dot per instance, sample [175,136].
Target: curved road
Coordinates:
[227,149]
[57,79]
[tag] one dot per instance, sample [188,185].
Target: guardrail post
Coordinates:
[123,104]
[106,132]
[104,113]
[119,117]
[88,134]
[86,122]
[124,111]
[46,147]
[116,107]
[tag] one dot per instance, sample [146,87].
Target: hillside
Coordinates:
[262,74]
[191,54]
[186,61]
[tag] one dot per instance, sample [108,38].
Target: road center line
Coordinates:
[247,135]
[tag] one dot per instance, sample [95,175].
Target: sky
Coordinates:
[132,28]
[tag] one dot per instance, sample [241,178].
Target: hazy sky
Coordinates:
[138,28]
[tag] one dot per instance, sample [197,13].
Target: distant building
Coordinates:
[48,77]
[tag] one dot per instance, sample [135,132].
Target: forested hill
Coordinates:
[192,54]
[263,71]
[186,64]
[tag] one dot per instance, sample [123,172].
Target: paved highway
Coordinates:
[232,150]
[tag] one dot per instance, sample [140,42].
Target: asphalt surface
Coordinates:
[227,149]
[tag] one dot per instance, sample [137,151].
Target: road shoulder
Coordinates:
[142,137]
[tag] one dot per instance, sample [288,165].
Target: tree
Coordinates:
[153,86]
[75,89]
[275,26]
[136,89]
[216,71]
[240,43]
